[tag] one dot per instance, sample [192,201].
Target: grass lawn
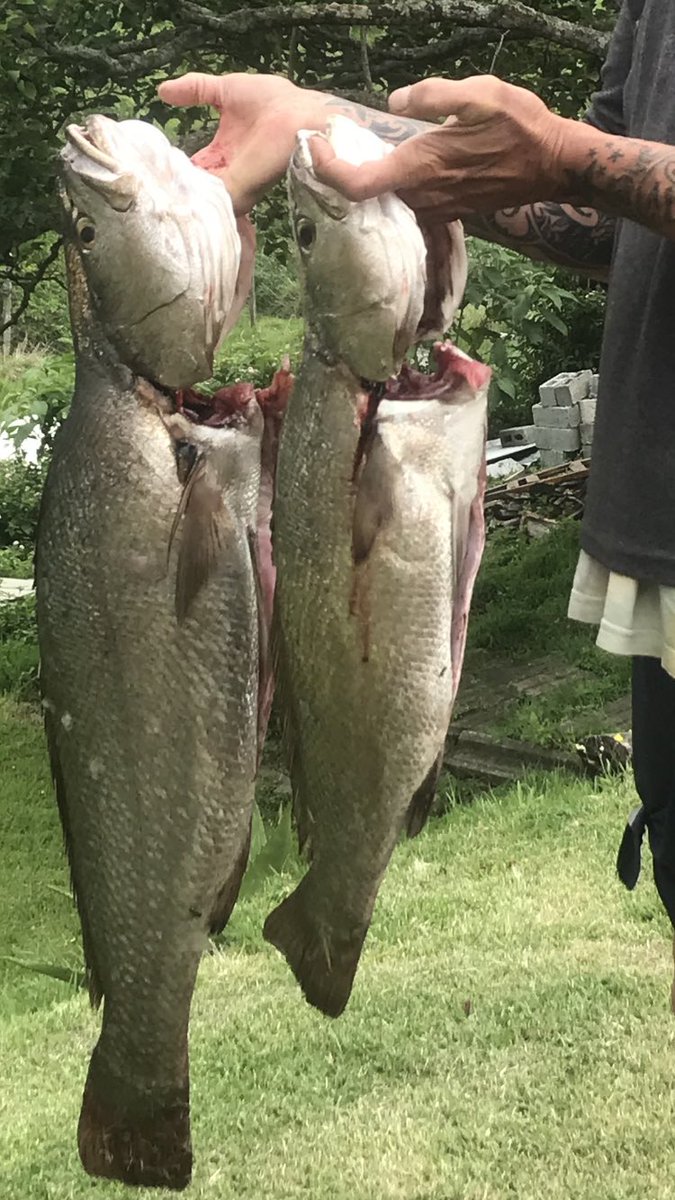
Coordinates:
[519,613]
[509,1033]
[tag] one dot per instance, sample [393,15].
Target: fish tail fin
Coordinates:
[324,961]
[128,1136]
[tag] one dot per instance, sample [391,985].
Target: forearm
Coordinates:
[624,177]
[577,239]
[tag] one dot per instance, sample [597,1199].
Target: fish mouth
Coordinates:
[91,142]
[454,369]
[90,159]
[301,172]
[454,372]
[230,407]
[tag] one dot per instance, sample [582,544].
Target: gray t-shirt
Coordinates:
[629,524]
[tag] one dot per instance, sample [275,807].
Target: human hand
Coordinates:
[259,118]
[500,147]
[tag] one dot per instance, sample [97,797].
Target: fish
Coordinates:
[377,538]
[149,615]
[162,250]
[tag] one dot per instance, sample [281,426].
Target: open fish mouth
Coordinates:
[90,141]
[228,407]
[454,368]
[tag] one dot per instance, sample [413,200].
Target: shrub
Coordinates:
[277,287]
[35,395]
[20,492]
[19,655]
[528,321]
[255,352]
[16,562]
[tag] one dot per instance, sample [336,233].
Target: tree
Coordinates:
[60,59]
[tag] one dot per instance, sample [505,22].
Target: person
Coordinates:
[596,196]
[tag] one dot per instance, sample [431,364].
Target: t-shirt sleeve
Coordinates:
[606,109]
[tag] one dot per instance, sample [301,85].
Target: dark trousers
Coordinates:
[654,770]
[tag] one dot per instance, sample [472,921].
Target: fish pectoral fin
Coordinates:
[324,961]
[420,805]
[92,975]
[204,524]
[373,499]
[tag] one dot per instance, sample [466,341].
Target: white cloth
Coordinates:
[632,617]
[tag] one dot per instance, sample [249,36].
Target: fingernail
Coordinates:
[398,101]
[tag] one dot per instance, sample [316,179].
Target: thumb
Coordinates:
[469,99]
[360,183]
[194,88]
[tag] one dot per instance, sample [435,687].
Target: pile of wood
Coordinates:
[536,500]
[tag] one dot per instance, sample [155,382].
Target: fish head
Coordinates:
[363,263]
[158,242]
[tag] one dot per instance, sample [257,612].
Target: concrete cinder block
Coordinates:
[586,432]
[575,388]
[557,439]
[587,411]
[517,435]
[556,418]
[593,389]
[586,450]
[551,458]
[547,390]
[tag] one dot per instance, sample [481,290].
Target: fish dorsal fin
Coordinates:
[204,521]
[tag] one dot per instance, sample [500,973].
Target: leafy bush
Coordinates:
[528,322]
[45,322]
[35,395]
[17,620]
[277,288]
[19,655]
[255,352]
[20,492]
[16,562]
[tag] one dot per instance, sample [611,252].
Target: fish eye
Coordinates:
[305,232]
[85,231]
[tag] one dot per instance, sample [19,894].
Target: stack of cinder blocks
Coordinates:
[564,417]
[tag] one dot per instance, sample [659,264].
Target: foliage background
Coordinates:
[62,59]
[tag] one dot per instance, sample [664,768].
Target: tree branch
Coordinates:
[131,60]
[29,287]
[164,53]
[509,15]
[505,15]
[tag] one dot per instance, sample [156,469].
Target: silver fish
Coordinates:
[378,533]
[148,619]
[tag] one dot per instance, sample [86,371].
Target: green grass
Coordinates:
[508,1036]
[36,921]
[519,613]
